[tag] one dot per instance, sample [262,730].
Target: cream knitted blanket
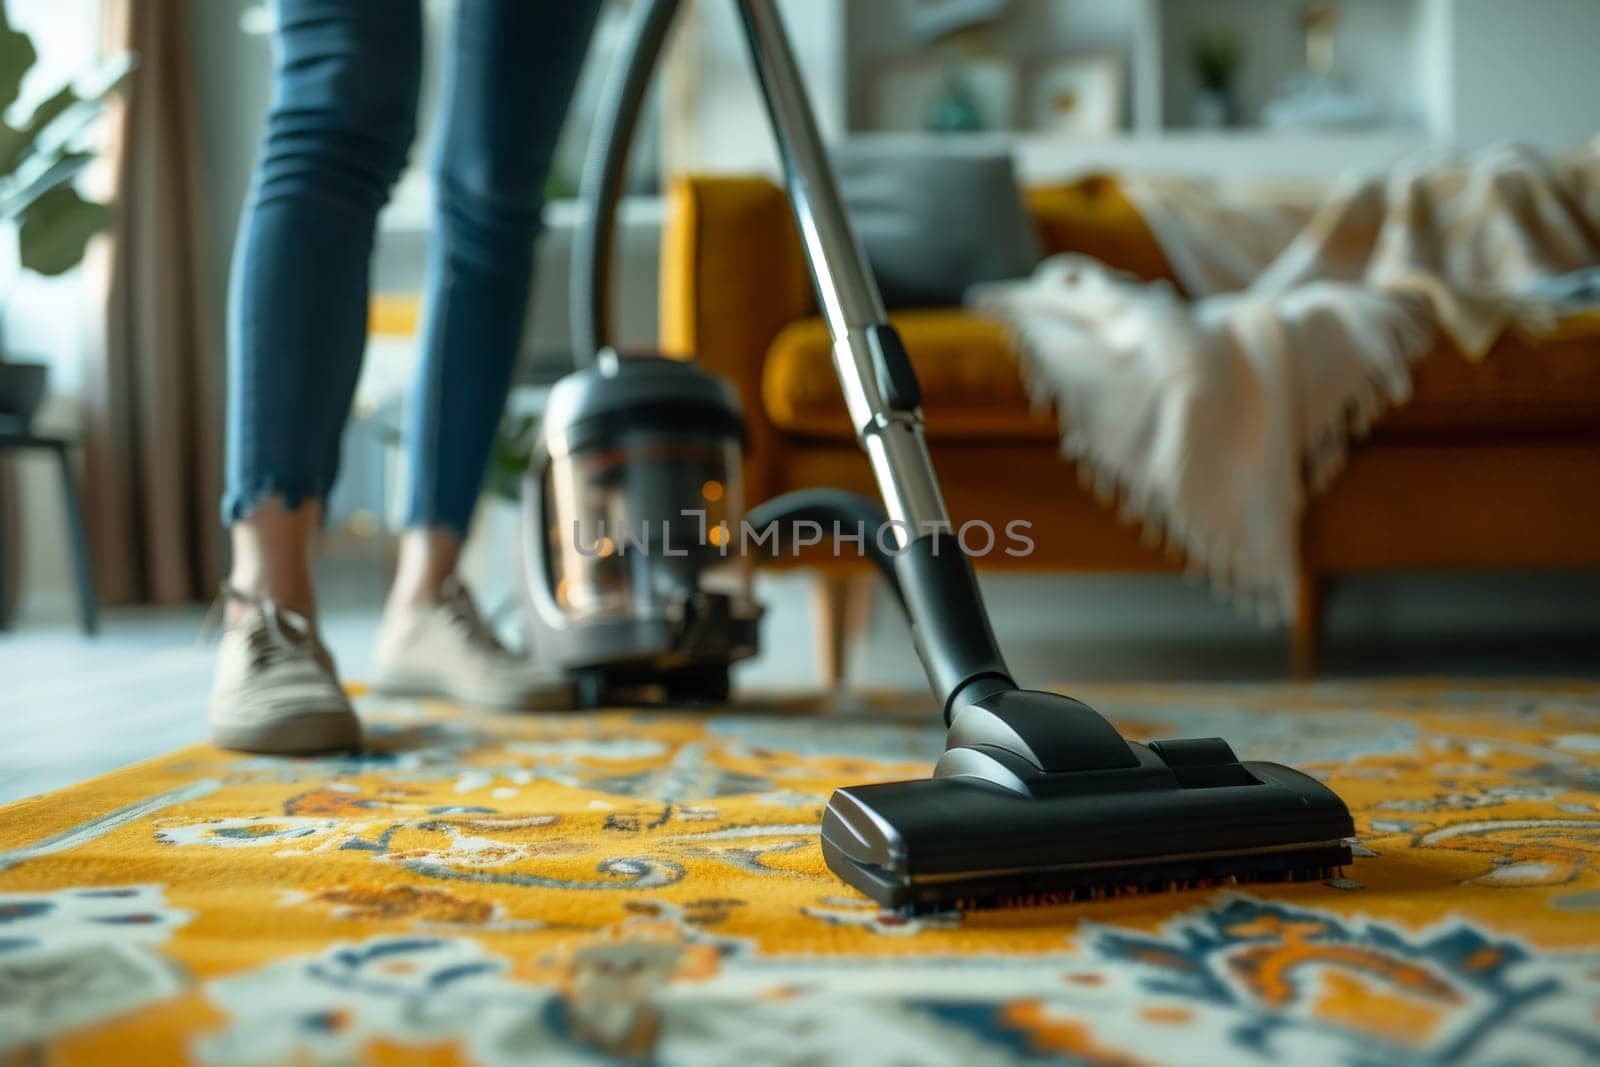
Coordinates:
[1211,419]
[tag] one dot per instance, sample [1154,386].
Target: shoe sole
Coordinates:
[293,735]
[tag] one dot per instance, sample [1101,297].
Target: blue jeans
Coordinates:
[342,120]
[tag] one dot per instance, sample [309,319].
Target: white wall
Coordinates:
[1527,70]
[714,119]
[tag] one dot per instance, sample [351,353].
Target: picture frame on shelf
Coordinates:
[1077,95]
[905,92]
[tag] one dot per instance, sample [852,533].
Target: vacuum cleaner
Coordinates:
[1037,798]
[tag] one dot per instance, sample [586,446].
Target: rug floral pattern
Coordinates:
[648,886]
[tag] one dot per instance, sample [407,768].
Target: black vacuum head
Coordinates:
[1039,800]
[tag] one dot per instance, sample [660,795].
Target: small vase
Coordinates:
[956,108]
[1213,109]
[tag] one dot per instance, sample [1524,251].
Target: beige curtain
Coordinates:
[153,394]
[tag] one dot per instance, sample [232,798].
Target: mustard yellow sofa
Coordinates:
[1492,464]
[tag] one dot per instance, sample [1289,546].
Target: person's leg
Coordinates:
[343,112]
[511,69]
[342,117]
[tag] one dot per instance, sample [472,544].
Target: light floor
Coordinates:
[72,707]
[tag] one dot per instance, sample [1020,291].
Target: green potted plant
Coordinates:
[1216,54]
[45,219]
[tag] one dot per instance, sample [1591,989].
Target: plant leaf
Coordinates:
[19,142]
[110,75]
[513,450]
[14,145]
[16,56]
[56,228]
[57,125]
[36,176]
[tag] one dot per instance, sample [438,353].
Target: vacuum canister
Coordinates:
[632,511]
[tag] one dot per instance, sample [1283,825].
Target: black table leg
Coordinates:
[88,606]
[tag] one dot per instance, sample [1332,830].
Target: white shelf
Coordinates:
[1041,157]
[411,210]
[1447,73]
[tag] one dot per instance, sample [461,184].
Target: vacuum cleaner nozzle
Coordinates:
[1037,799]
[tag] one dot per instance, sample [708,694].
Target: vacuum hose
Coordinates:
[605,170]
[849,510]
[600,192]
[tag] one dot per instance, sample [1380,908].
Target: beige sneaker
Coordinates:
[275,689]
[445,649]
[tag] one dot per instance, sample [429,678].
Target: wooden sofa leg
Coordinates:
[1305,637]
[842,600]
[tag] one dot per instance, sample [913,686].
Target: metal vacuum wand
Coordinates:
[948,618]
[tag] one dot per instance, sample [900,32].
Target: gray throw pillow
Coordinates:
[933,221]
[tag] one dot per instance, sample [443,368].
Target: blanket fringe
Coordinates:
[1227,576]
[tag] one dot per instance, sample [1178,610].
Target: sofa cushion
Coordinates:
[935,222]
[972,388]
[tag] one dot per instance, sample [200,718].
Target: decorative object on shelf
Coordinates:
[1314,99]
[47,221]
[1076,95]
[953,84]
[1318,23]
[936,94]
[1216,53]
[956,108]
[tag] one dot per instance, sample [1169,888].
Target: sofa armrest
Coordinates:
[732,276]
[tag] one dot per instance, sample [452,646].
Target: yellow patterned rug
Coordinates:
[580,888]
